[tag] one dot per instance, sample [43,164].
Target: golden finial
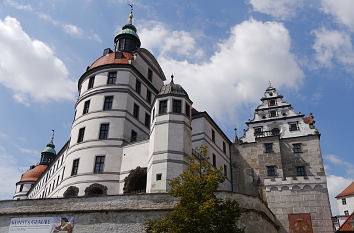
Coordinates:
[52,136]
[131,12]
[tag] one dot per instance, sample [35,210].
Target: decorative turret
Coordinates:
[48,153]
[127,40]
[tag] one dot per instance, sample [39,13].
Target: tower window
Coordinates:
[138,86]
[177,106]
[224,147]
[153,113]
[214,160]
[273,113]
[148,96]
[213,135]
[107,105]
[136,111]
[163,107]
[293,126]
[147,120]
[91,82]
[225,170]
[99,164]
[21,187]
[150,75]
[188,110]
[297,148]
[268,147]
[300,171]
[344,201]
[112,77]
[133,136]
[75,167]
[104,131]
[86,107]
[80,138]
[271,171]
[272,103]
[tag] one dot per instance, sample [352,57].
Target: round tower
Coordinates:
[170,137]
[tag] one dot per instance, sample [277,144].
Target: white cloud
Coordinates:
[342,10]
[333,46]
[29,67]
[239,71]
[19,6]
[336,184]
[280,9]
[336,160]
[73,30]
[30,151]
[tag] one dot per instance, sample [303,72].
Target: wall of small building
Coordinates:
[349,206]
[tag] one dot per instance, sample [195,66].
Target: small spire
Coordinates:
[236,138]
[51,141]
[172,79]
[131,14]
[270,83]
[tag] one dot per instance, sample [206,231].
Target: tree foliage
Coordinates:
[198,209]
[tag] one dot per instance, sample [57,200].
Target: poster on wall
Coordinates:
[63,224]
[300,223]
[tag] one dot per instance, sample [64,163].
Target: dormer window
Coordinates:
[272,102]
[258,130]
[273,113]
[270,93]
[293,126]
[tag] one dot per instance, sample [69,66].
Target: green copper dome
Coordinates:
[49,148]
[128,30]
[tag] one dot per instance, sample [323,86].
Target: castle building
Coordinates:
[345,202]
[131,133]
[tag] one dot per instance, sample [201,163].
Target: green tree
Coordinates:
[198,209]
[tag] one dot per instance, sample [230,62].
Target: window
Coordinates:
[163,107]
[99,164]
[177,106]
[133,136]
[258,130]
[293,126]
[153,113]
[271,171]
[138,86]
[21,187]
[297,148]
[91,82]
[104,131]
[273,113]
[136,111]
[86,107]
[346,212]
[108,100]
[188,110]
[158,176]
[62,175]
[275,131]
[268,147]
[344,201]
[224,147]
[225,170]
[213,135]
[148,96]
[300,171]
[150,75]
[112,77]
[80,138]
[272,103]
[58,180]
[147,120]
[214,160]
[75,167]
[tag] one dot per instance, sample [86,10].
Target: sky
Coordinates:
[224,54]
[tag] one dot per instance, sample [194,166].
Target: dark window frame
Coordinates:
[163,107]
[214,160]
[136,110]
[188,110]
[138,86]
[213,135]
[176,106]
[99,164]
[344,201]
[86,107]
[225,170]
[112,78]
[150,74]
[108,103]
[158,176]
[75,167]
[104,131]
[81,135]
[147,120]
[224,147]
[21,187]
[293,126]
[346,212]
[268,147]
[273,113]
[91,83]
[297,147]
[300,171]
[271,170]
[272,102]
[133,136]
[148,96]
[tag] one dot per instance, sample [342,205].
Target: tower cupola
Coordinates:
[48,153]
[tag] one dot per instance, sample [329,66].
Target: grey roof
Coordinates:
[174,89]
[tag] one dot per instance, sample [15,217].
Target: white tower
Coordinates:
[170,138]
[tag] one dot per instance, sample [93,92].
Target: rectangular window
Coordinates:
[300,171]
[138,86]
[214,160]
[80,138]
[293,126]
[153,113]
[224,147]
[91,82]
[258,131]
[225,170]
[272,102]
[177,106]
[108,100]
[273,114]
[148,96]
[163,107]
[99,164]
[346,212]
[268,147]
[75,167]
[213,135]
[297,148]
[344,201]
[133,136]
[58,180]
[62,175]
[188,110]
[271,171]
[158,176]
[147,120]
[136,111]
[21,187]
[112,77]
[150,75]
[86,107]
[104,131]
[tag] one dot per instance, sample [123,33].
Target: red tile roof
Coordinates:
[110,59]
[348,191]
[346,226]
[308,120]
[34,173]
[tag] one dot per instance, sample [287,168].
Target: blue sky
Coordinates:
[223,54]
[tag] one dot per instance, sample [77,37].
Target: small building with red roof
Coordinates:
[348,225]
[345,200]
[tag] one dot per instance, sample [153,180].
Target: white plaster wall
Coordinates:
[349,206]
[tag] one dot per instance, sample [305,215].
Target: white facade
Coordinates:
[346,205]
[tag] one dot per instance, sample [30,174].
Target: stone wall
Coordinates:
[126,213]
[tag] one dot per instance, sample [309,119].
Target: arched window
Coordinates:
[96,190]
[135,182]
